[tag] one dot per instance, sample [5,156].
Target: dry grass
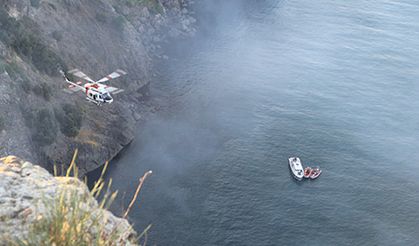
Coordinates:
[134,198]
[69,221]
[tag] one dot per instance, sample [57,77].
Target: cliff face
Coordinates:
[42,123]
[27,192]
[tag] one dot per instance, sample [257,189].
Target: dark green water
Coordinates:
[334,82]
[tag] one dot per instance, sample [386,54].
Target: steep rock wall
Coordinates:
[42,123]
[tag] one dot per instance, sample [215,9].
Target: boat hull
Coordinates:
[307,172]
[295,176]
[296,168]
[316,175]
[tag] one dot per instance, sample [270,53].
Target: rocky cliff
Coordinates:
[42,123]
[28,194]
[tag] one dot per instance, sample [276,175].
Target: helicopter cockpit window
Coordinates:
[107,96]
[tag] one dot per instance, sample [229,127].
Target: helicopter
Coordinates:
[95,91]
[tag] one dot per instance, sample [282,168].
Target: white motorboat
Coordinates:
[296,167]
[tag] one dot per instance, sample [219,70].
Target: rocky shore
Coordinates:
[43,124]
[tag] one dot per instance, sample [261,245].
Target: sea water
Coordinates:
[333,82]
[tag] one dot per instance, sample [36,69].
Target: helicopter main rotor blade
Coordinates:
[114,75]
[80,74]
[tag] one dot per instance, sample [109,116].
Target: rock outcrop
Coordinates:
[27,189]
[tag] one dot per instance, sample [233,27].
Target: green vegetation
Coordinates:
[43,90]
[101,18]
[42,124]
[44,59]
[2,66]
[2,123]
[70,119]
[35,3]
[16,74]
[153,5]
[13,70]
[21,35]
[118,23]
[57,35]
[25,85]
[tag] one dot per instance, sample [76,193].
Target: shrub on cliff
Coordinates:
[44,129]
[70,118]
[57,35]
[2,66]
[43,90]
[35,3]
[25,84]
[16,74]
[22,36]
[101,17]
[2,124]
[13,70]
[118,23]
[153,5]
[42,124]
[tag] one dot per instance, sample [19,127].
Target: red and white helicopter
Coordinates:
[95,91]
